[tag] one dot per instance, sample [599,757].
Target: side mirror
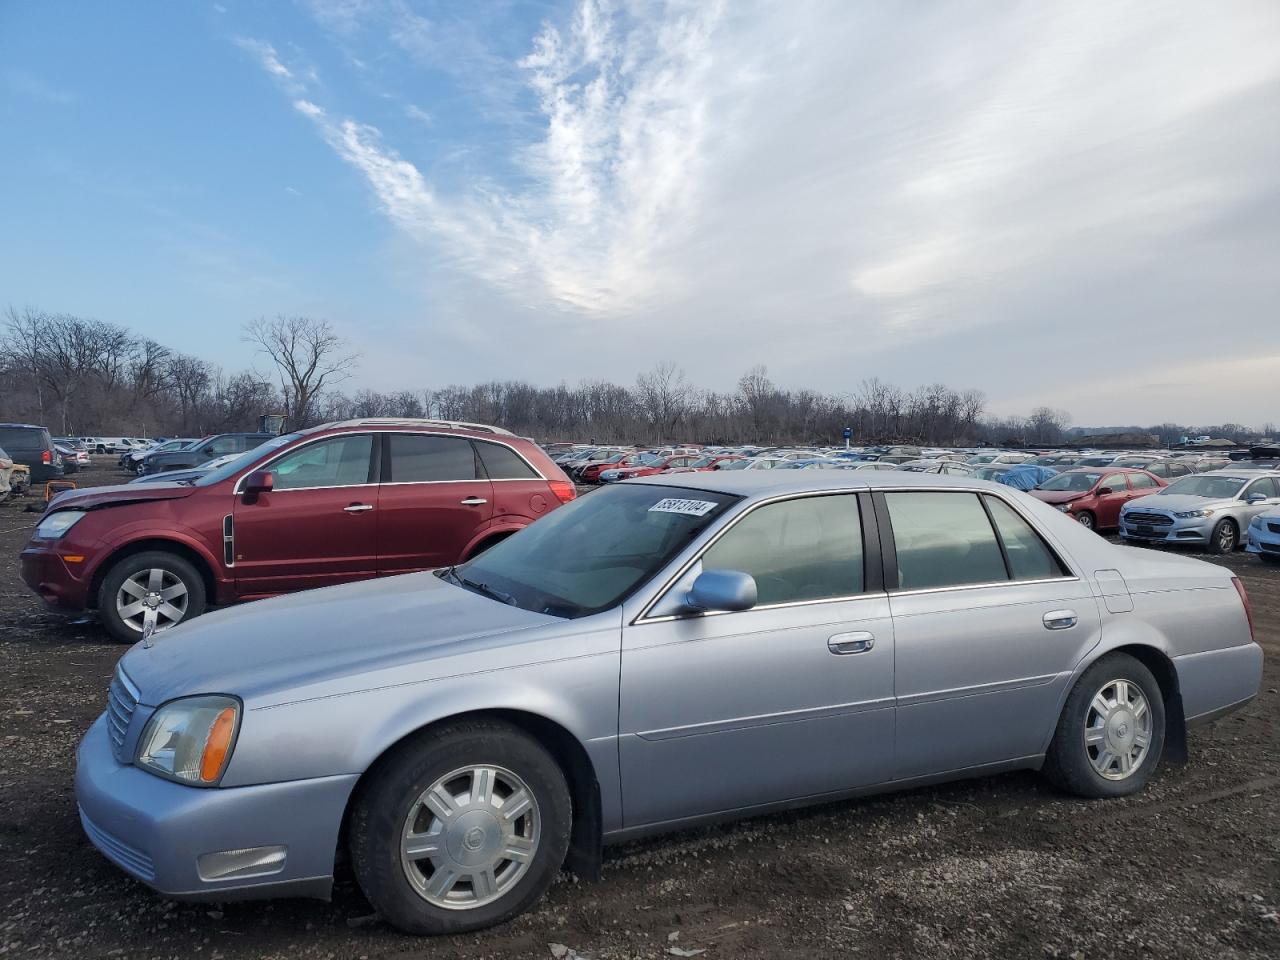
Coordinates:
[1103,491]
[1256,498]
[260,481]
[722,590]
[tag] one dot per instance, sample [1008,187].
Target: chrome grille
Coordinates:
[122,700]
[1148,519]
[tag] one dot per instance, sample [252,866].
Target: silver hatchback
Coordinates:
[661,653]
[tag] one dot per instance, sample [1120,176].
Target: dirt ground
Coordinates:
[1002,867]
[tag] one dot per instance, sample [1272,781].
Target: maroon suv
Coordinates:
[340,502]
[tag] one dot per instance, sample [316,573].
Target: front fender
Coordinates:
[129,534]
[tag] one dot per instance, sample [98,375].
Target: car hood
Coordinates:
[96,497]
[1058,496]
[1177,503]
[320,642]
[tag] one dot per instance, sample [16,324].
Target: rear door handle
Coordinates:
[1060,619]
[473,501]
[846,643]
[358,507]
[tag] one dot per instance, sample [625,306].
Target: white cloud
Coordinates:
[933,192]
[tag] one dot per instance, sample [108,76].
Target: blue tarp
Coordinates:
[1026,476]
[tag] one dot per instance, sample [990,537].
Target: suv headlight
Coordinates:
[1192,514]
[1064,507]
[55,525]
[190,740]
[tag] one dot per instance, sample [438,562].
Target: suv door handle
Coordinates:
[1060,619]
[473,501]
[358,507]
[846,643]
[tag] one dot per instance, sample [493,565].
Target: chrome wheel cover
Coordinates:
[470,837]
[1117,729]
[154,599]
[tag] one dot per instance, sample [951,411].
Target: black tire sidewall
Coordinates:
[383,803]
[1067,763]
[126,567]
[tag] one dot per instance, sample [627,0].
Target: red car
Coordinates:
[651,467]
[621,461]
[1094,495]
[340,502]
[706,464]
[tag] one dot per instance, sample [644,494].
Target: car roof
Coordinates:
[765,483]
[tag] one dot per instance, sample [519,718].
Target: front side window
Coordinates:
[1202,485]
[1265,487]
[943,540]
[805,549]
[341,461]
[221,446]
[424,458]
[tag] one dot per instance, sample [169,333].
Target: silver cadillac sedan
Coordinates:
[661,653]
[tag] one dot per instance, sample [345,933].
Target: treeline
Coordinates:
[87,377]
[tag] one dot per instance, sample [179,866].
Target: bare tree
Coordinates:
[664,394]
[308,355]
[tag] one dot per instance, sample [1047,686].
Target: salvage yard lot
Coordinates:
[1000,867]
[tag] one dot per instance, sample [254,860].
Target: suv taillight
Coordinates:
[563,489]
[1248,610]
[46,456]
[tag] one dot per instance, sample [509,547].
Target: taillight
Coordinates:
[563,489]
[46,456]
[1248,610]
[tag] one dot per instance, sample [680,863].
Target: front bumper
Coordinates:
[1191,530]
[158,831]
[62,586]
[1264,540]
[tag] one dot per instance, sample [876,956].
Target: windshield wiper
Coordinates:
[485,589]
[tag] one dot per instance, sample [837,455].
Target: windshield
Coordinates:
[734,465]
[1216,488]
[245,459]
[982,458]
[590,554]
[991,473]
[1071,482]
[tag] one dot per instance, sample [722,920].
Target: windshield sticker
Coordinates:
[690,508]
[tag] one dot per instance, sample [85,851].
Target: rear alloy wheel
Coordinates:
[1087,520]
[460,828]
[1224,537]
[149,592]
[1111,733]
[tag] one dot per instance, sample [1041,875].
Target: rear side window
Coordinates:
[1029,557]
[422,458]
[503,463]
[943,540]
[805,549]
[1140,481]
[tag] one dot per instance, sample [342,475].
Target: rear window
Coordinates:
[503,463]
[24,438]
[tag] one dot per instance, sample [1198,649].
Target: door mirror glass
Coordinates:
[1103,491]
[717,590]
[260,481]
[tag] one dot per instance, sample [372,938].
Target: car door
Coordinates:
[1140,485]
[989,624]
[314,527]
[432,502]
[1264,486]
[790,699]
[1109,504]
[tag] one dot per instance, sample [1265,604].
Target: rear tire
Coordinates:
[438,867]
[149,575]
[1111,733]
[1225,538]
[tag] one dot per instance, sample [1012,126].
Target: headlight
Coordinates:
[190,740]
[56,524]
[1192,514]
[1256,522]
[1064,507]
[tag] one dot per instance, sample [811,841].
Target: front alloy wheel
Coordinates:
[1223,539]
[147,592]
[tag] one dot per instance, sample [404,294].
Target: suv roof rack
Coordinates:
[420,422]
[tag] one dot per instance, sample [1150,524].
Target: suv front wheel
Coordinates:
[153,589]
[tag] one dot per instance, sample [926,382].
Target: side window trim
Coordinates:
[995,529]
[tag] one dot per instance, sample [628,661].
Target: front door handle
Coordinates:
[358,507]
[846,643]
[1060,619]
[473,501]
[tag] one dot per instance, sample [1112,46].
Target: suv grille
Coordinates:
[1148,519]
[122,700]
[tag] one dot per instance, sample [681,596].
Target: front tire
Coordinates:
[153,588]
[1224,538]
[461,828]
[1087,520]
[1110,735]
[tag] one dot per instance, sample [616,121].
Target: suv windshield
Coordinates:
[590,554]
[1071,482]
[233,467]
[1216,488]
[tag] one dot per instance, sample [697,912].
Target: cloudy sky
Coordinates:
[1075,204]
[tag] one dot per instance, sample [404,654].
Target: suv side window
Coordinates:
[1140,481]
[221,446]
[1029,557]
[943,540]
[341,461]
[503,463]
[804,549]
[424,458]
